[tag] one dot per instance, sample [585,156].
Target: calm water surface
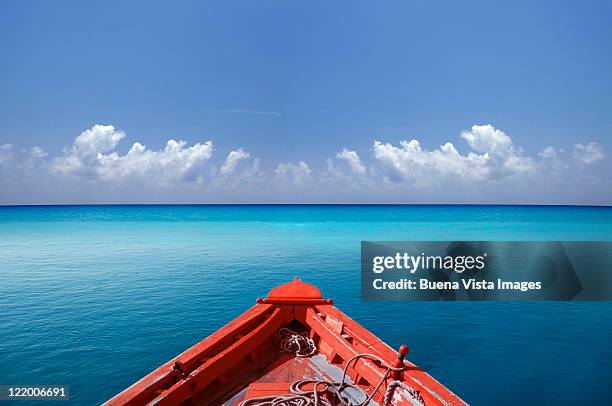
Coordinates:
[98,296]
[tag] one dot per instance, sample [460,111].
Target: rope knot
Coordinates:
[299,344]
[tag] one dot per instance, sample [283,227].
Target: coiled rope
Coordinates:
[299,344]
[302,346]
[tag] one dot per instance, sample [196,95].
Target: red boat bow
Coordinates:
[332,360]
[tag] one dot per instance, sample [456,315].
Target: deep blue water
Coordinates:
[98,296]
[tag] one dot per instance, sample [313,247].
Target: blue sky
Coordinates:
[292,82]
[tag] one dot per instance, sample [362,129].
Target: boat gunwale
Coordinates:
[188,371]
[143,391]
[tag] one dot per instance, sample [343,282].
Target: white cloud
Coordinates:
[493,156]
[81,158]
[37,152]
[251,174]
[548,153]
[232,161]
[34,157]
[411,162]
[234,175]
[6,160]
[295,173]
[353,161]
[488,139]
[588,153]
[491,167]
[96,140]
[174,163]
[337,178]
[551,157]
[6,153]
[504,158]
[92,156]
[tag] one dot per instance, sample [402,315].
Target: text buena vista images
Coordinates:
[458,264]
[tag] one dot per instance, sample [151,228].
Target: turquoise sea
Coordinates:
[95,297]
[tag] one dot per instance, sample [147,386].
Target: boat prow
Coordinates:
[292,348]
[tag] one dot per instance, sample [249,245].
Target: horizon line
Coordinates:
[307,204]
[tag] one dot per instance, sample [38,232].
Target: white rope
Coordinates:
[416,395]
[299,344]
[302,346]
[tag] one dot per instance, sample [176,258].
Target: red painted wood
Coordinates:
[145,390]
[240,359]
[296,289]
[222,363]
[295,292]
[261,389]
[373,344]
